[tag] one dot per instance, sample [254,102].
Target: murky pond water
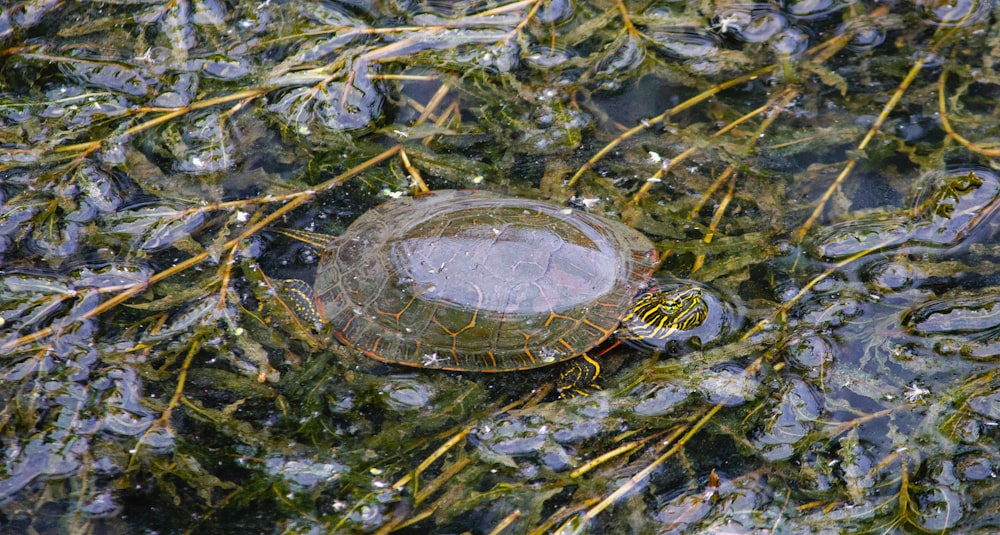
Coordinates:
[818,179]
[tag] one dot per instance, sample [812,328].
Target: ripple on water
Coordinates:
[978,314]
[547,57]
[304,473]
[763,23]
[555,11]
[661,399]
[813,9]
[789,421]
[686,43]
[954,12]
[809,351]
[885,276]
[864,35]
[948,207]
[790,42]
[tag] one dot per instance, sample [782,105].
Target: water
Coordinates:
[153,379]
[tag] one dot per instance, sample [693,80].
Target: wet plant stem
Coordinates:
[201,257]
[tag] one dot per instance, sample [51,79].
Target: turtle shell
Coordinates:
[475,281]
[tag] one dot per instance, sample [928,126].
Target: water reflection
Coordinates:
[140,136]
[947,207]
[954,12]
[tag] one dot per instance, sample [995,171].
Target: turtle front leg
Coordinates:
[299,297]
[578,377]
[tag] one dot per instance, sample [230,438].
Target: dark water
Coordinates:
[823,171]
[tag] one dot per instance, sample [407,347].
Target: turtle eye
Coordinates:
[670,306]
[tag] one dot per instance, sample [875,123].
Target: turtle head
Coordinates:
[657,314]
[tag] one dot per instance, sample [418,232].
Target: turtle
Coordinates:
[474,281]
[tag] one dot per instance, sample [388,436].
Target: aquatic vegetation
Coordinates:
[949,206]
[825,171]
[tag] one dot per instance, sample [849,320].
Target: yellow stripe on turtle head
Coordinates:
[659,314]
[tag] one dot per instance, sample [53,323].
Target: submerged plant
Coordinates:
[827,168]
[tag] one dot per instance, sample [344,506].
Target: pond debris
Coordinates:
[824,168]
